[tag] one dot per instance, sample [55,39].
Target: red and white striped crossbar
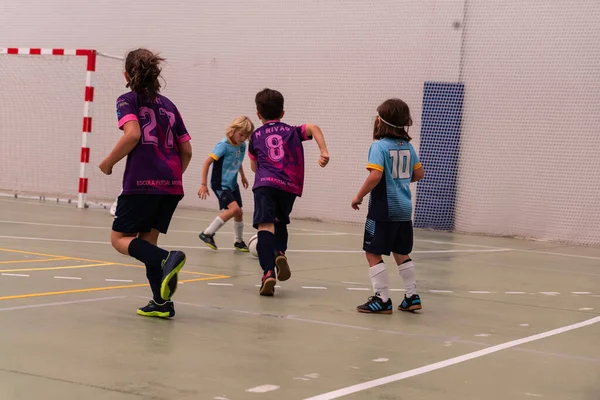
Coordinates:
[88,99]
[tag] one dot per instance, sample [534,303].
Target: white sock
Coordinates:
[238,231]
[407,273]
[214,226]
[379,279]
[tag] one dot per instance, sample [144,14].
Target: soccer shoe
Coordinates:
[171,267]
[153,309]
[241,246]
[376,306]
[283,268]
[411,303]
[267,288]
[208,239]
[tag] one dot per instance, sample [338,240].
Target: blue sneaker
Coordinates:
[376,306]
[412,303]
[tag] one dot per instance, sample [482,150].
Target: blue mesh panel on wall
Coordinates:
[439,152]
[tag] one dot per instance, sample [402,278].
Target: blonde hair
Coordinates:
[241,123]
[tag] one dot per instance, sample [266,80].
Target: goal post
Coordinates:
[43,90]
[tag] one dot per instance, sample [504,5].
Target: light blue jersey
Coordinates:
[228,160]
[391,200]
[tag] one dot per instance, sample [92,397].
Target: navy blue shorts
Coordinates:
[385,237]
[138,213]
[272,205]
[226,197]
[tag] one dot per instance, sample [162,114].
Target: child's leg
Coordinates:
[263,221]
[375,245]
[238,222]
[153,272]
[401,249]
[285,204]
[226,199]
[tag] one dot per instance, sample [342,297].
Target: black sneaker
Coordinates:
[283,267]
[209,240]
[241,246]
[376,306]
[171,267]
[267,288]
[411,303]
[153,309]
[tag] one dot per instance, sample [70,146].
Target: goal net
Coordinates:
[57,121]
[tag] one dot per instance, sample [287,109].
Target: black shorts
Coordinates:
[388,237]
[137,213]
[226,197]
[272,205]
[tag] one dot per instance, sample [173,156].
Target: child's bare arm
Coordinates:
[369,184]
[130,139]
[203,190]
[418,174]
[243,176]
[317,134]
[185,150]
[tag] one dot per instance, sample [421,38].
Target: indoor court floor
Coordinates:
[502,318]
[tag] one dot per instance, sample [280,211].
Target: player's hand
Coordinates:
[203,192]
[106,167]
[324,159]
[356,202]
[244,182]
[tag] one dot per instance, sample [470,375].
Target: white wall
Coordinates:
[531,141]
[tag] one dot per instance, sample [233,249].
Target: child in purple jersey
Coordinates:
[158,151]
[277,157]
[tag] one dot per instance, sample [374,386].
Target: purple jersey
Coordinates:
[277,149]
[154,165]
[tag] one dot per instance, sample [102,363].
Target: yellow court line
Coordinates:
[31,261]
[29,252]
[182,271]
[96,289]
[96,261]
[54,268]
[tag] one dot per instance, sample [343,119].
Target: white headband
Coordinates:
[387,123]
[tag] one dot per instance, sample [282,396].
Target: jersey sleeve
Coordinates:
[414,159]
[251,151]
[125,111]
[179,129]
[303,133]
[376,159]
[218,151]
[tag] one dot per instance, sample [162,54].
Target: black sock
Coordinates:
[281,237]
[146,252]
[154,276]
[265,248]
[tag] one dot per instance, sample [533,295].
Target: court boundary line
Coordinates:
[98,262]
[60,303]
[449,362]
[483,250]
[96,289]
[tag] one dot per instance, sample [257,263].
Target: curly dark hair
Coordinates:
[143,68]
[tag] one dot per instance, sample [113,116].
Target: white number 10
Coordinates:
[400,164]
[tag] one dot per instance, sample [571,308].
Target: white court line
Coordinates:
[231,248]
[7,274]
[449,362]
[61,303]
[118,280]
[219,284]
[440,291]
[357,288]
[314,287]
[67,277]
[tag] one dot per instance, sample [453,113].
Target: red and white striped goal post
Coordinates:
[88,99]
